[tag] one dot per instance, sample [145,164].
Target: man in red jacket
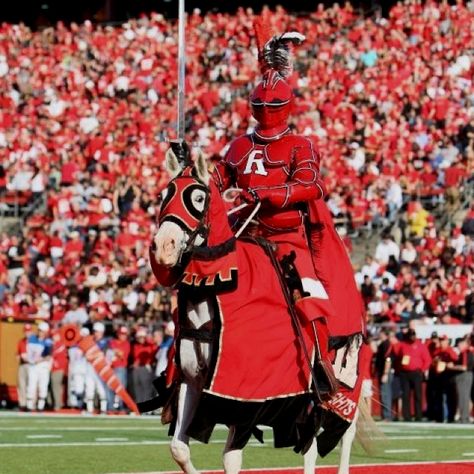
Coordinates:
[413,359]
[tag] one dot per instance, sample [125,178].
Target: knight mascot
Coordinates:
[280,172]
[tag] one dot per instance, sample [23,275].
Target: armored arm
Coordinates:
[223,175]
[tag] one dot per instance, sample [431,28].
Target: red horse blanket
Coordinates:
[258,355]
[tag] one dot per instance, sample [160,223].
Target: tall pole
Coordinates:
[181,71]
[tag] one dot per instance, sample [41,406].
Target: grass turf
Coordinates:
[89,445]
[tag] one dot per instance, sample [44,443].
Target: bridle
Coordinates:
[189,248]
[202,227]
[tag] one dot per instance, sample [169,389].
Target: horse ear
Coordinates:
[202,171]
[172,164]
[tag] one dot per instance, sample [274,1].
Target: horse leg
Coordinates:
[347,441]
[179,447]
[232,458]
[310,458]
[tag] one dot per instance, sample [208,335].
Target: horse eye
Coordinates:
[200,199]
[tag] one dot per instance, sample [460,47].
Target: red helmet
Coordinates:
[271,101]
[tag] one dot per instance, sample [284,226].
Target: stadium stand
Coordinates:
[86,111]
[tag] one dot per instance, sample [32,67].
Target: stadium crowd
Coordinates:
[86,111]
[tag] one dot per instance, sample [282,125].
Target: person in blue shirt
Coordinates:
[39,348]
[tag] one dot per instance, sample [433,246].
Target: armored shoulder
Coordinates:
[238,150]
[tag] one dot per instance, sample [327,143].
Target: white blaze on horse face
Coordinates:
[169,240]
[258,162]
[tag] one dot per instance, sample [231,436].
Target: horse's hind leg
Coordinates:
[310,458]
[232,457]
[180,451]
[346,447]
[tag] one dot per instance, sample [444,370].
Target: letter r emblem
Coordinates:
[255,158]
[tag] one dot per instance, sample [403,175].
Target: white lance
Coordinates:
[181,71]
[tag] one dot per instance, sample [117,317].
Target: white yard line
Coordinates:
[468,454]
[95,444]
[111,439]
[43,436]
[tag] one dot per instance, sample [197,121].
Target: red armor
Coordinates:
[282,173]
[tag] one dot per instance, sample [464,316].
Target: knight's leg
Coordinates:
[310,458]
[180,451]
[232,458]
[347,441]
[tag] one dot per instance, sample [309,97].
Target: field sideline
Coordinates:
[55,444]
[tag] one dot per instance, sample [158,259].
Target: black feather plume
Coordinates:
[276,53]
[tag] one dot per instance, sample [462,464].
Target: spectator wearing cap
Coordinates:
[94,384]
[463,368]
[413,359]
[444,385]
[22,357]
[143,356]
[39,348]
[119,349]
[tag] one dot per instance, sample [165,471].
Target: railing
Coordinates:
[20,204]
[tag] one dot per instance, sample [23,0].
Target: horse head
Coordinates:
[192,214]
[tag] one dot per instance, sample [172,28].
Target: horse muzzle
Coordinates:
[169,244]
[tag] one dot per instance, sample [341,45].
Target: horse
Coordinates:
[196,249]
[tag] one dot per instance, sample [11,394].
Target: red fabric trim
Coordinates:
[311,308]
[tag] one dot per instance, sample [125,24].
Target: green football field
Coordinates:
[89,445]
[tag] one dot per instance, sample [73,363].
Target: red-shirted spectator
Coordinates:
[413,360]
[58,370]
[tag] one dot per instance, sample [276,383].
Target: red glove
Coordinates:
[248,196]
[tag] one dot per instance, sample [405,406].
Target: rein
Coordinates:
[226,195]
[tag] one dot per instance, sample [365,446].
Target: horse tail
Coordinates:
[368,434]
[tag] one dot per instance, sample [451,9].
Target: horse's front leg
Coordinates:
[188,398]
[310,458]
[232,458]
